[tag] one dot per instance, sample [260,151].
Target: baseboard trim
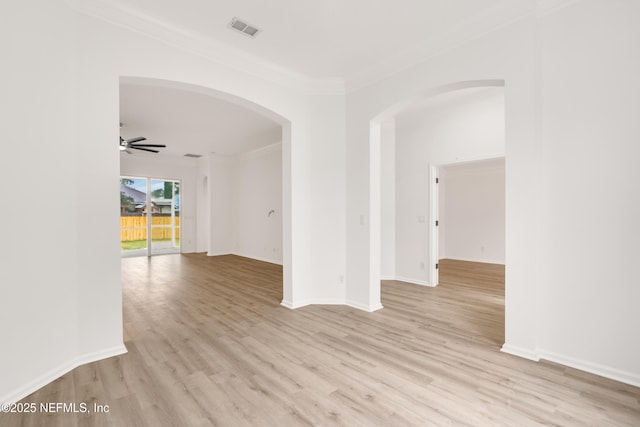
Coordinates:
[59,371]
[478,260]
[593,368]
[298,304]
[270,261]
[289,305]
[218,253]
[582,365]
[520,352]
[330,301]
[363,307]
[414,281]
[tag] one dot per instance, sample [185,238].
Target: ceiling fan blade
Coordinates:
[148,145]
[134,140]
[143,149]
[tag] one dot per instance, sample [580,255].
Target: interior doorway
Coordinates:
[450,127]
[467,213]
[149,216]
[156,109]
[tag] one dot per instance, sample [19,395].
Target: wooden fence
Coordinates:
[135,228]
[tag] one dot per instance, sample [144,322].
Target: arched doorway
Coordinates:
[418,223]
[206,227]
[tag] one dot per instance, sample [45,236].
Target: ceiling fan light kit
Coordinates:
[133,143]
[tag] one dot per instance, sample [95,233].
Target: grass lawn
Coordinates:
[133,244]
[141,244]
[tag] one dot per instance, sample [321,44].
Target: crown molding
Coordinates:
[220,53]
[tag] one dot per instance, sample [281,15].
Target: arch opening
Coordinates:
[383,130]
[205,183]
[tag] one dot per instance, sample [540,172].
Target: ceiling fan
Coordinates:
[126,144]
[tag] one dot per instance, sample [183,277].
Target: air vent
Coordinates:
[195,156]
[244,28]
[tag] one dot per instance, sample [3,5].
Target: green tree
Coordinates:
[126,202]
[168,189]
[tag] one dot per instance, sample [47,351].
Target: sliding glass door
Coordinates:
[165,216]
[133,216]
[149,216]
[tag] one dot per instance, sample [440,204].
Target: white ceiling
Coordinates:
[190,122]
[328,38]
[354,42]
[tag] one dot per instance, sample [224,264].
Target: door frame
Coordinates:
[434,221]
[149,214]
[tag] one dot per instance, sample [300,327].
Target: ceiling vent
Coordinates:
[244,28]
[195,156]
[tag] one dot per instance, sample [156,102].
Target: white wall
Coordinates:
[471,217]
[176,168]
[321,196]
[59,275]
[203,207]
[220,182]
[257,191]
[457,127]
[589,108]
[388,200]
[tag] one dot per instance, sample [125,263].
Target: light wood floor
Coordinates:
[209,345]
